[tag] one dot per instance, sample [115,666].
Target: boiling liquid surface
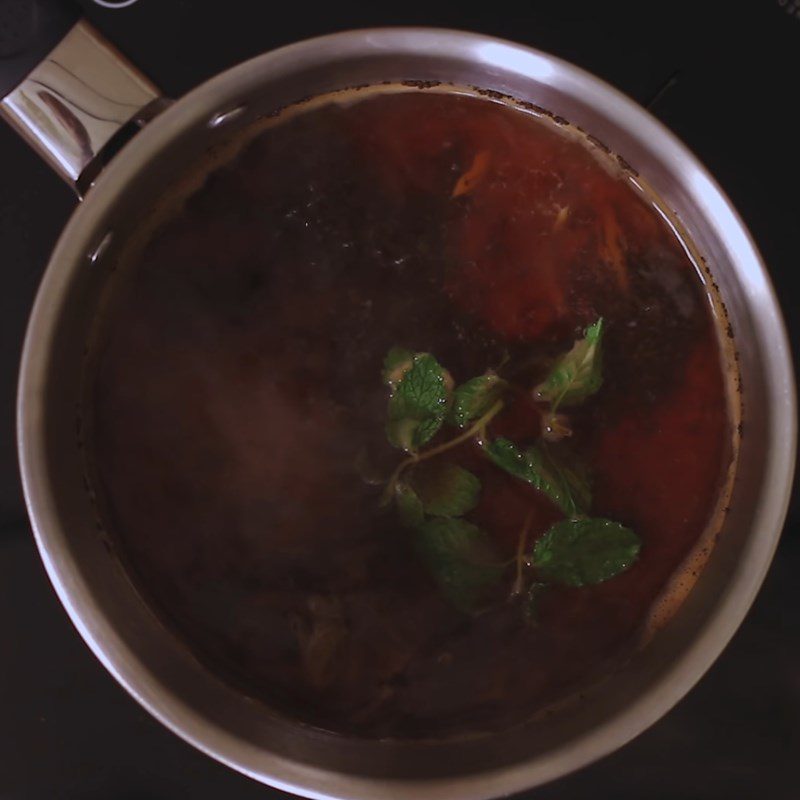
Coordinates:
[238,411]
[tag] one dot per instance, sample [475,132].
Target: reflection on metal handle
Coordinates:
[77,100]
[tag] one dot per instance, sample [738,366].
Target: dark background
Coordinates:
[725,76]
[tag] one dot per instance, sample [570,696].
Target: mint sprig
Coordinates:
[474,398]
[397,363]
[418,402]
[461,558]
[577,374]
[537,467]
[445,489]
[409,506]
[458,555]
[583,552]
[433,496]
[531,601]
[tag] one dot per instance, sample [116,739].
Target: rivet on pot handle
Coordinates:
[71,95]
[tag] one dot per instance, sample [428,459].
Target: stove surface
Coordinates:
[724,77]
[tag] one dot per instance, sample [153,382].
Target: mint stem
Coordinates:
[517,586]
[478,427]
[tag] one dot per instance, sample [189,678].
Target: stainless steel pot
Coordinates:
[58,108]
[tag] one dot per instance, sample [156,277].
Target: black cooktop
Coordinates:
[725,76]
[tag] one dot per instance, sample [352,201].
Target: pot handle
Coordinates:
[71,95]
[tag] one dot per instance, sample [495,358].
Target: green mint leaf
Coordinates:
[573,478]
[426,430]
[536,466]
[409,506]
[397,362]
[530,603]
[445,489]
[581,552]
[401,433]
[461,558]
[578,373]
[474,398]
[418,403]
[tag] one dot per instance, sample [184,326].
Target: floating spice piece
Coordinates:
[474,175]
[612,248]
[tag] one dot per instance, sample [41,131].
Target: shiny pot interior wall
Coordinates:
[146,658]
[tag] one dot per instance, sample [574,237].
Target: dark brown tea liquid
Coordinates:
[237,409]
